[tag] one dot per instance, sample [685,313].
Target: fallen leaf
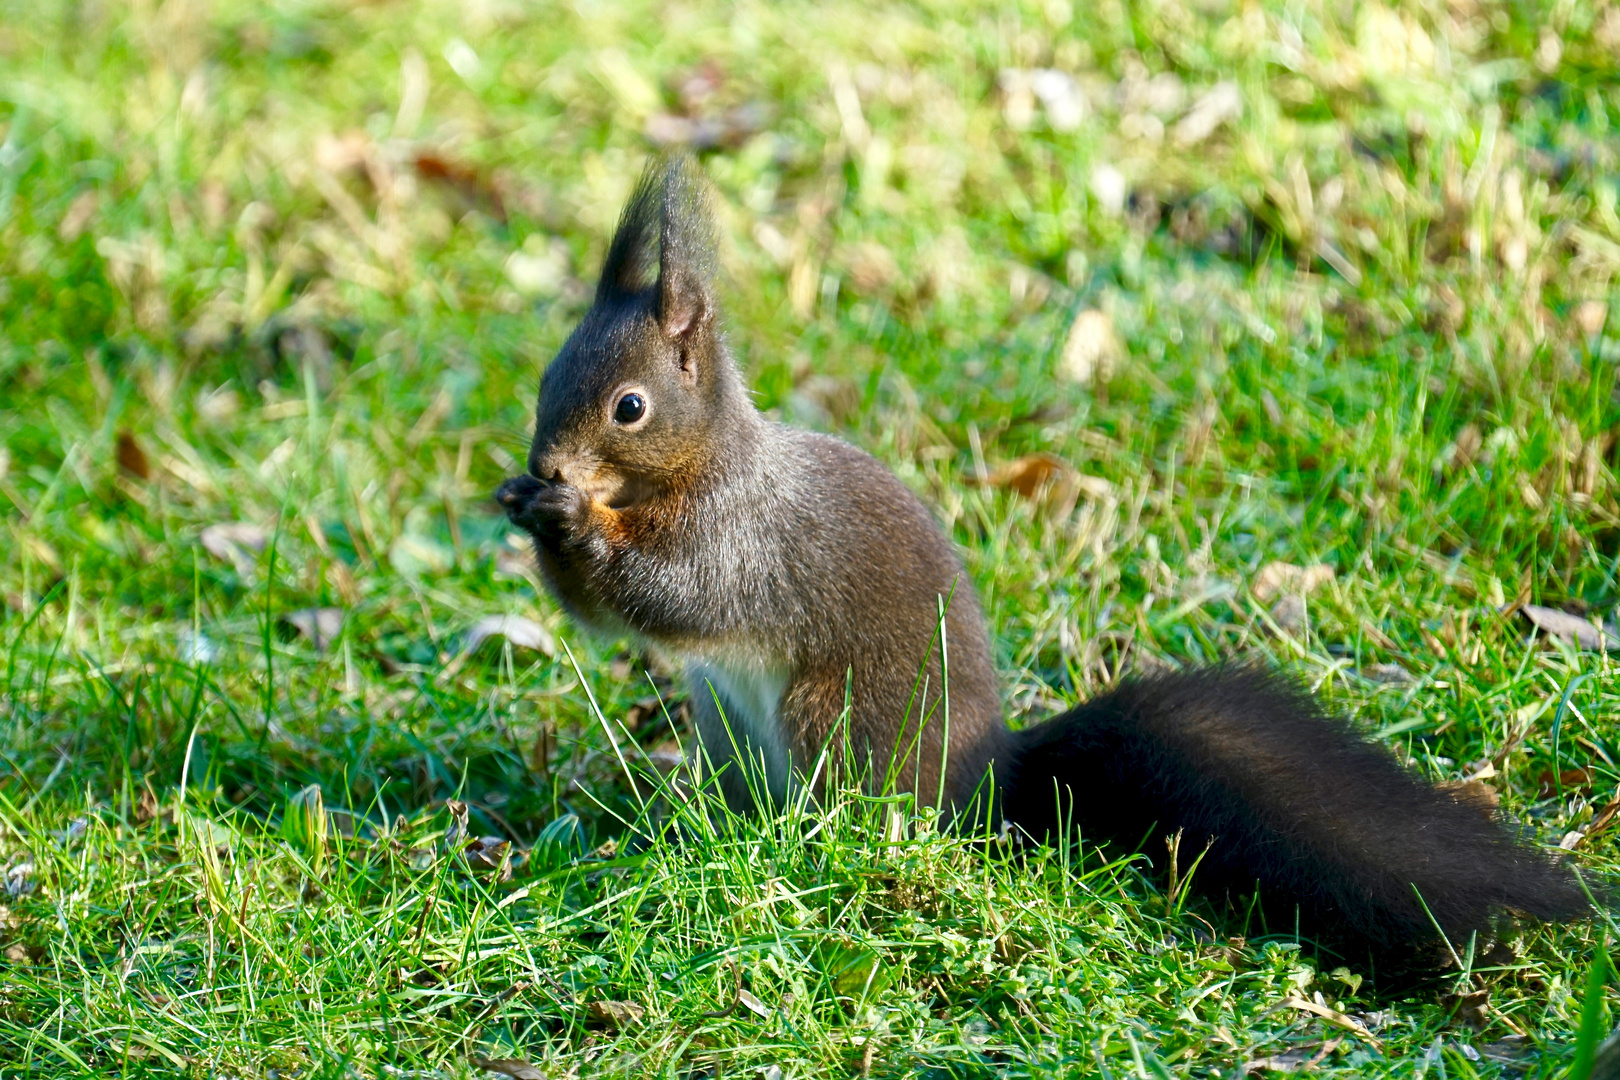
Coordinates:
[490,853]
[319,626]
[1092,351]
[1031,476]
[616,1014]
[1471,1010]
[455,836]
[465,180]
[753,1004]
[521,632]
[19,879]
[1276,578]
[236,542]
[1570,782]
[1288,1062]
[1391,674]
[1050,479]
[1332,1016]
[1515,1049]
[131,458]
[1570,628]
[1466,447]
[517,1068]
[1596,827]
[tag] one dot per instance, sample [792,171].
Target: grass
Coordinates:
[297,265]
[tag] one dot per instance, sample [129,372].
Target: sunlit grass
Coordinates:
[1346,275]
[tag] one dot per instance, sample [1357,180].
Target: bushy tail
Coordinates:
[1295,801]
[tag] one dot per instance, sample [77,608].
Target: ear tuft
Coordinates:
[633,253]
[686,251]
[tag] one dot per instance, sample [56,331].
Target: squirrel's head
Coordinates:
[633,401]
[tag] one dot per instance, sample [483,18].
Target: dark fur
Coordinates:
[793,573]
[1295,801]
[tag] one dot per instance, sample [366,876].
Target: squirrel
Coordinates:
[818,606]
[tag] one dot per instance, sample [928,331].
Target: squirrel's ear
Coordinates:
[685,252]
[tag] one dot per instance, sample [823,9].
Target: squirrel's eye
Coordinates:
[631,407]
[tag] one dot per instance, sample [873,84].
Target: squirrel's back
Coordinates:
[900,636]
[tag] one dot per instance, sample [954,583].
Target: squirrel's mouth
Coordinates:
[604,484]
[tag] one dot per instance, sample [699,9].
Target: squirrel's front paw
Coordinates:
[538,506]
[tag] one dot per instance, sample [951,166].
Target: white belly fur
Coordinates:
[750,693]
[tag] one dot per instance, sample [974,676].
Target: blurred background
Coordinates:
[1144,297]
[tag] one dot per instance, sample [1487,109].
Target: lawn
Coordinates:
[1162,306]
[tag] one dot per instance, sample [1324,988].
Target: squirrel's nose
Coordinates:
[544,466]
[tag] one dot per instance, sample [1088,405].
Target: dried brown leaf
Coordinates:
[1392,674]
[872,268]
[1569,782]
[521,632]
[1276,578]
[616,1014]
[1570,628]
[1469,1010]
[753,1004]
[1467,446]
[490,854]
[730,128]
[467,181]
[1332,1016]
[131,458]
[1032,476]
